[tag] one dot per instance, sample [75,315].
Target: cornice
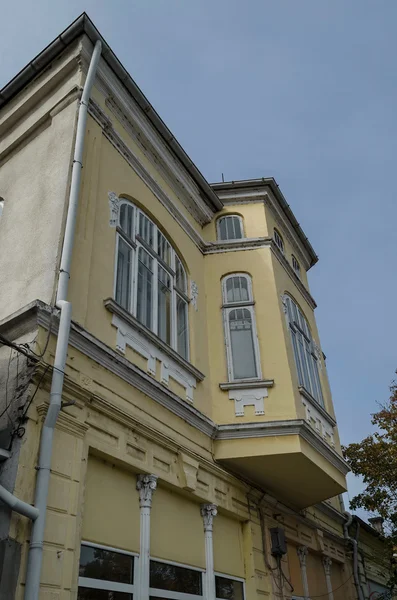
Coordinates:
[65,422]
[236,245]
[245,385]
[279,428]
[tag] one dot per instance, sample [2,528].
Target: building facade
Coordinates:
[196,453]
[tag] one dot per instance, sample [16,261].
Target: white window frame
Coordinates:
[158,592]
[104,584]
[240,579]
[279,240]
[300,334]
[135,243]
[229,216]
[296,266]
[227,307]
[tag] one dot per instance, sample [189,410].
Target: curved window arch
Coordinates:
[230,227]
[279,240]
[242,348]
[150,279]
[304,351]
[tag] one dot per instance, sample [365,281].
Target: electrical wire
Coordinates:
[6,389]
[333,590]
[19,430]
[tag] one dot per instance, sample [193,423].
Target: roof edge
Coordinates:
[272,183]
[83,24]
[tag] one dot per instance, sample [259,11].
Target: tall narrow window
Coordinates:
[240,331]
[151,281]
[304,351]
[296,266]
[279,240]
[230,227]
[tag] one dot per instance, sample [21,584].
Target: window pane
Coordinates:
[145,287]
[297,359]
[242,344]
[164,305]
[228,589]
[93,594]
[319,396]
[302,356]
[163,248]
[127,218]
[230,228]
[175,579]
[180,280]
[222,229]
[146,229]
[237,289]
[97,563]
[123,278]
[181,327]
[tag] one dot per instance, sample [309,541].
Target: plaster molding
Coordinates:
[188,471]
[248,397]
[65,422]
[146,486]
[194,294]
[302,554]
[208,512]
[114,207]
[315,418]
[111,360]
[327,562]
[245,385]
[236,245]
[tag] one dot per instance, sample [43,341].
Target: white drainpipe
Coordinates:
[35,557]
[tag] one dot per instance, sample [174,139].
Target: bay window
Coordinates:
[242,348]
[151,281]
[304,351]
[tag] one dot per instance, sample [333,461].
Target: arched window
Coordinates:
[151,282]
[1,205]
[230,227]
[242,348]
[304,351]
[279,240]
[296,266]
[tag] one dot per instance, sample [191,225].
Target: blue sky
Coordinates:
[304,91]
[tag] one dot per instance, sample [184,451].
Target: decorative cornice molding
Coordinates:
[146,486]
[317,406]
[331,512]
[64,421]
[236,245]
[208,512]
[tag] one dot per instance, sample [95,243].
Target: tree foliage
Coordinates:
[375,460]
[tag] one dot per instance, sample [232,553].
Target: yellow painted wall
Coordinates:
[315,575]
[228,546]
[294,570]
[111,506]
[177,531]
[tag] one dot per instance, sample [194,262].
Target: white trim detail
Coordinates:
[327,563]
[114,206]
[127,335]
[248,397]
[302,553]
[194,294]
[208,512]
[317,421]
[146,486]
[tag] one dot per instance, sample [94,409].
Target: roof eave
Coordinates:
[81,25]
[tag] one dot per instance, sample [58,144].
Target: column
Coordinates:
[302,553]
[327,562]
[208,512]
[146,484]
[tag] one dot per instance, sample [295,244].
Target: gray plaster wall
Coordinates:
[37,131]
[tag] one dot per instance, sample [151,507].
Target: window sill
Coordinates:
[247,384]
[115,308]
[318,406]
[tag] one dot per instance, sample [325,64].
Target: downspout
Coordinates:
[35,556]
[354,542]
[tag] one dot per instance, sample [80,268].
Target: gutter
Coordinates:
[354,543]
[81,25]
[35,555]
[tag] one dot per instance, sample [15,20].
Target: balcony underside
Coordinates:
[286,458]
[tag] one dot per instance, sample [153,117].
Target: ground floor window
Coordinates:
[109,573]
[105,573]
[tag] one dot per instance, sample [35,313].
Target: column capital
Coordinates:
[146,485]
[327,562]
[302,553]
[208,512]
